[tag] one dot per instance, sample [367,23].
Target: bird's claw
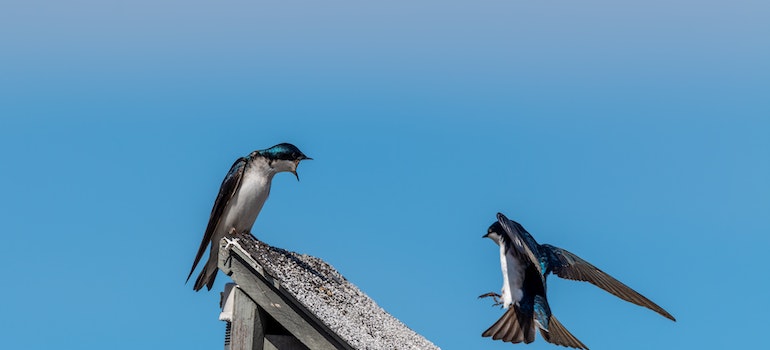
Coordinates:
[490,294]
[496,297]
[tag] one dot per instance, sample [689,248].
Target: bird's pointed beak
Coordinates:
[296,164]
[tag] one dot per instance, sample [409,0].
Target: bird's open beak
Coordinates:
[296,164]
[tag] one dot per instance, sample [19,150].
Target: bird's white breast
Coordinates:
[513,276]
[247,201]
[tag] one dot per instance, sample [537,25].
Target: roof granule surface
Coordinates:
[346,310]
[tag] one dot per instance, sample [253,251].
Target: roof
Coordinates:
[319,289]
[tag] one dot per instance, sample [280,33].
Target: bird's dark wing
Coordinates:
[521,239]
[559,335]
[570,266]
[514,326]
[226,191]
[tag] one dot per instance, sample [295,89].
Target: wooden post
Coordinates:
[247,329]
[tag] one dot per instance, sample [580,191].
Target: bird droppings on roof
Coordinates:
[344,308]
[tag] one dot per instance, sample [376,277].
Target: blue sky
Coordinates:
[632,134]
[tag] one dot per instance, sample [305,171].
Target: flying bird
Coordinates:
[523,295]
[550,259]
[241,196]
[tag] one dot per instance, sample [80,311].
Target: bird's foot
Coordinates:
[496,297]
[490,294]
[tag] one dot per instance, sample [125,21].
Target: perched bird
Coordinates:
[547,258]
[241,196]
[524,295]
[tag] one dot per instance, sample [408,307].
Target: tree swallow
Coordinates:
[241,196]
[546,259]
[524,295]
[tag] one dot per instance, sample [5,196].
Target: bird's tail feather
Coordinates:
[512,327]
[557,334]
[207,275]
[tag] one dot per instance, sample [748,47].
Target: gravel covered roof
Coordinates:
[343,307]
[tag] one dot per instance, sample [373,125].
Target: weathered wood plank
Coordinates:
[247,330]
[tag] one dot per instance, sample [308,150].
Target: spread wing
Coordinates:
[570,266]
[226,191]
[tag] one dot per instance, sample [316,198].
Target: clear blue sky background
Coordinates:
[635,134]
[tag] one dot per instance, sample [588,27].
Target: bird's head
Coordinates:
[493,232]
[284,157]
